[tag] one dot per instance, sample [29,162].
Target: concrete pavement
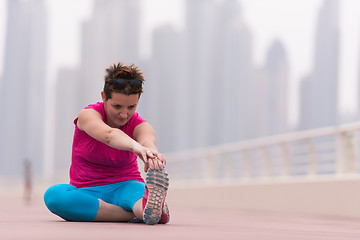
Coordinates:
[34,221]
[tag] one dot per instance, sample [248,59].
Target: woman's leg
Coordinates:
[73,204]
[128,195]
[148,203]
[155,208]
[111,213]
[138,209]
[113,202]
[69,203]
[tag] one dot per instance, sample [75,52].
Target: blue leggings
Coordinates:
[82,204]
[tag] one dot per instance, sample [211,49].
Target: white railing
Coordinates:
[331,151]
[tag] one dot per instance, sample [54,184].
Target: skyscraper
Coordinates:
[319,91]
[199,45]
[111,35]
[164,101]
[23,87]
[232,83]
[220,73]
[66,99]
[277,73]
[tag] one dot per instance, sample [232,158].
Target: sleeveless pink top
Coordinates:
[94,163]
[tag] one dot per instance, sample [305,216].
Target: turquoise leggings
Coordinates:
[82,204]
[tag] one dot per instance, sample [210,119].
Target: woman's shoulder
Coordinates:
[99,106]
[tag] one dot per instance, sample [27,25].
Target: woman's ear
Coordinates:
[103,96]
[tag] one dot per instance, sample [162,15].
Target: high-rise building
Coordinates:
[277,74]
[319,92]
[199,47]
[219,73]
[110,36]
[164,102]
[66,97]
[232,81]
[22,90]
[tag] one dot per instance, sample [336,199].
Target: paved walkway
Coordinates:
[19,221]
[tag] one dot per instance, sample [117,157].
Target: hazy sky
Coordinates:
[293,22]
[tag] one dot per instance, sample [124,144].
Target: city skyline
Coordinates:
[264,29]
[205,86]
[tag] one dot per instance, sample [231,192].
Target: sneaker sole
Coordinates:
[157,183]
[165,211]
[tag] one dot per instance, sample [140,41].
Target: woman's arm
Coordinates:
[91,122]
[145,135]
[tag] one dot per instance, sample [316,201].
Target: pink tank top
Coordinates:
[94,163]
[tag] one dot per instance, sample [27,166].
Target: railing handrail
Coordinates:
[337,143]
[266,141]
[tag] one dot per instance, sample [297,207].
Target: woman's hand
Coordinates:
[156,160]
[151,157]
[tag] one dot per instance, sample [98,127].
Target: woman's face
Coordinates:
[119,108]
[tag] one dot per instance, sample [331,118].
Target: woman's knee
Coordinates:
[55,196]
[69,203]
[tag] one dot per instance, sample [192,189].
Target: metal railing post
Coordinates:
[268,163]
[211,167]
[313,169]
[247,164]
[229,168]
[345,153]
[287,159]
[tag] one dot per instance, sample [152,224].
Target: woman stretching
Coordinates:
[105,182]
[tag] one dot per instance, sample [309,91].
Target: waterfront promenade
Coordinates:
[222,201]
[33,222]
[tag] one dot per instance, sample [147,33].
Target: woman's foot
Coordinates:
[157,183]
[165,216]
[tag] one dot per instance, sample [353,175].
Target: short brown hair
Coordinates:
[123,72]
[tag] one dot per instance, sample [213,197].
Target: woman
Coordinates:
[105,182]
